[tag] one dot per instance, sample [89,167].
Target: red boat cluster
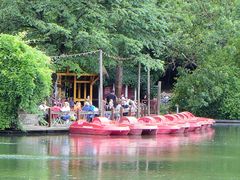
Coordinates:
[152,125]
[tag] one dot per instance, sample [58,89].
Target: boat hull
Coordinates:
[89,131]
[96,129]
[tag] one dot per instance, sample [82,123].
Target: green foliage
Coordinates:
[120,28]
[204,35]
[213,88]
[159,34]
[197,28]
[25,79]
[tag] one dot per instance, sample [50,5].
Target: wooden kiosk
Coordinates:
[75,86]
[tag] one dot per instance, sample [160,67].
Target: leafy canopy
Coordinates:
[120,28]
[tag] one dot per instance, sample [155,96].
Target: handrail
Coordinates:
[113,114]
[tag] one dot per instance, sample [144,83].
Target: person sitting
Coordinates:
[117,111]
[77,107]
[125,106]
[88,108]
[133,107]
[71,103]
[55,109]
[109,107]
[66,110]
[44,109]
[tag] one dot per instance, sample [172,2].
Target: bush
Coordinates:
[25,79]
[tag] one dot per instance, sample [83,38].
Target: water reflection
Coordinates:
[131,146]
[96,157]
[105,155]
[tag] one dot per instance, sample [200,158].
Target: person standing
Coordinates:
[113,97]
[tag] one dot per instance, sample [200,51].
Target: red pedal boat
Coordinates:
[116,129]
[137,128]
[85,127]
[194,125]
[164,125]
[185,126]
[205,122]
[150,125]
[99,126]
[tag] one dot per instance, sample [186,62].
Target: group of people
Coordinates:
[69,112]
[69,109]
[114,103]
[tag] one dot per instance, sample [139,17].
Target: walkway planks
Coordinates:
[44,129]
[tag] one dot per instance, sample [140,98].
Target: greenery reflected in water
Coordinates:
[213,154]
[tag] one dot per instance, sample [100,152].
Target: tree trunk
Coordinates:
[119,79]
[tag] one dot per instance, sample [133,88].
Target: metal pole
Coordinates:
[101,83]
[138,94]
[159,97]
[148,92]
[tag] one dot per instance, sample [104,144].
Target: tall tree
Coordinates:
[120,28]
[210,43]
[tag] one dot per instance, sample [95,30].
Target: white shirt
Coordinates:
[65,109]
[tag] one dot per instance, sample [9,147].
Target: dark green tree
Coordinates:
[120,28]
[213,88]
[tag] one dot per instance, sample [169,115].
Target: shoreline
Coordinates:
[43,130]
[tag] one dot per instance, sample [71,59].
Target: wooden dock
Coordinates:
[227,122]
[44,129]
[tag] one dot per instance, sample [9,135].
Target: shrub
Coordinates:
[25,79]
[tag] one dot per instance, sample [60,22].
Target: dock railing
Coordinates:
[55,118]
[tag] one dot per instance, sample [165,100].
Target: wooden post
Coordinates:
[142,110]
[145,110]
[177,108]
[130,111]
[75,89]
[79,90]
[91,88]
[113,87]
[138,94]
[78,114]
[121,111]
[101,83]
[126,91]
[85,91]
[135,94]
[112,114]
[148,92]
[159,97]
[60,89]
[49,117]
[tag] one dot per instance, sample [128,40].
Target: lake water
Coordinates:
[213,154]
